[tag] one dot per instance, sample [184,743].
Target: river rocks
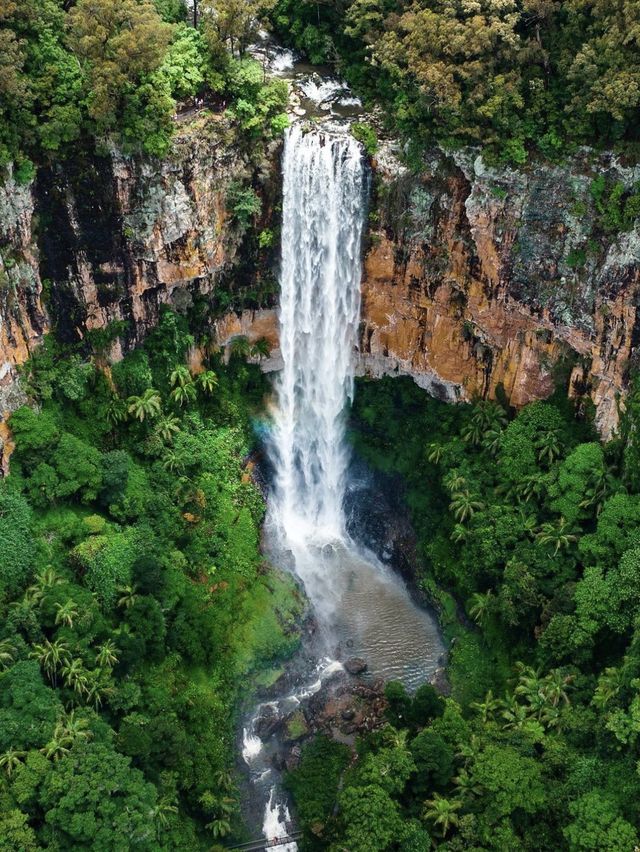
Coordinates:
[355,665]
[440,681]
[293,758]
[267,723]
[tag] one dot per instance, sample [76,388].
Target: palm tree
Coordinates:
[162,810]
[240,347]
[473,431]
[75,676]
[219,827]
[45,580]
[8,654]
[469,750]
[531,687]
[51,655]
[395,739]
[442,812]
[107,655]
[56,748]
[488,707]
[180,376]
[147,406]
[487,417]
[183,394]
[66,613]
[72,728]
[549,446]
[172,462]
[515,715]
[96,691]
[128,596]
[529,524]
[459,534]
[434,453]
[555,685]
[557,535]
[601,484]
[464,505]
[609,685]
[208,382]
[481,606]
[117,411]
[551,717]
[466,784]
[454,481]
[492,440]
[531,487]
[261,348]
[11,760]
[167,427]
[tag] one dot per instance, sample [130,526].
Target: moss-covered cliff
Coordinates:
[476,282]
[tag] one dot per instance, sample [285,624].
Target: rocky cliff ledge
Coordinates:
[105,239]
[478,280]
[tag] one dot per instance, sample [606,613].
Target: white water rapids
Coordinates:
[360,604]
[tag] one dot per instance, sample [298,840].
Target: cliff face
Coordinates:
[477,279]
[104,239]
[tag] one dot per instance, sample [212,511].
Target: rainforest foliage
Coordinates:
[116,71]
[533,527]
[510,75]
[133,598]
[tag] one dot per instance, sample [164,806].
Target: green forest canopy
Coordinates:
[134,600]
[506,74]
[113,71]
[535,526]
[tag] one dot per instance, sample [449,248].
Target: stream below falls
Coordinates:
[361,607]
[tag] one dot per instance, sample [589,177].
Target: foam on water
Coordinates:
[276,822]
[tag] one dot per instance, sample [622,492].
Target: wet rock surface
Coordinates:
[355,665]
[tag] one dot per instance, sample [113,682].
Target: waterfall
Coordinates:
[323,207]
[358,603]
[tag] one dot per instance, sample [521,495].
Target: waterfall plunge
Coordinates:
[323,209]
[360,604]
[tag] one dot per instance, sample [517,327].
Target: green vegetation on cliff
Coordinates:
[133,599]
[533,527]
[509,75]
[114,71]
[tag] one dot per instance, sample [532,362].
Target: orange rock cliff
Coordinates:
[476,281]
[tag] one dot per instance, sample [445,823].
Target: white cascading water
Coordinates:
[323,209]
[359,604]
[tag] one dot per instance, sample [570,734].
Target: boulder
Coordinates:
[355,665]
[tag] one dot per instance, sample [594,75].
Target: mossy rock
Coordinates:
[296,727]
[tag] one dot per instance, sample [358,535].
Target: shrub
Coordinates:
[106,561]
[244,203]
[365,134]
[17,550]
[78,466]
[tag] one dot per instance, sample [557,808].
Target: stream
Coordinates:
[361,608]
